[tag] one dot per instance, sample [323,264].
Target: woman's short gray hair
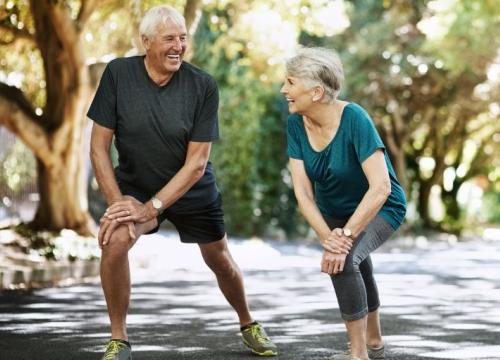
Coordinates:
[318,66]
[157,16]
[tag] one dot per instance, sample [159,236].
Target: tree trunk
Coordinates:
[450,201]
[399,162]
[62,205]
[424,195]
[56,137]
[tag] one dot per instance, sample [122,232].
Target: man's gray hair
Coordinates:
[157,16]
[318,66]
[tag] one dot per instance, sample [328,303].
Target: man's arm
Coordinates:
[100,143]
[189,174]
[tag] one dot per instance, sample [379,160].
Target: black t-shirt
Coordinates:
[153,126]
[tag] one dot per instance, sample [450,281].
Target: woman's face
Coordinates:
[298,95]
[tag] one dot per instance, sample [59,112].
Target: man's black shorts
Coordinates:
[201,225]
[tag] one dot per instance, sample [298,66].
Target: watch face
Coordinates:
[156,203]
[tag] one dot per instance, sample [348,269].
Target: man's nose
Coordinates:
[177,44]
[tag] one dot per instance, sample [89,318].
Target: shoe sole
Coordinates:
[265,353]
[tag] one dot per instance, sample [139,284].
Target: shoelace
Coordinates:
[112,350]
[257,333]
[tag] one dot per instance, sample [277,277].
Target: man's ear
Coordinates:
[145,42]
[318,92]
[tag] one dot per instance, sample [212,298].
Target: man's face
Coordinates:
[166,50]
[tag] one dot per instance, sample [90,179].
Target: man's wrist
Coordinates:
[115,199]
[157,205]
[151,212]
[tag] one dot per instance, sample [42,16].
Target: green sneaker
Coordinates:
[256,339]
[117,350]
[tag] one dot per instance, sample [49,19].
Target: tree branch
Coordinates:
[17,115]
[192,17]
[190,10]
[18,34]
[60,21]
[397,121]
[86,9]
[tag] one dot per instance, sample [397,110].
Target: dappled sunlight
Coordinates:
[440,302]
[471,352]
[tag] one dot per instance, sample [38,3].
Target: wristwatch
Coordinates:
[157,204]
[347,232]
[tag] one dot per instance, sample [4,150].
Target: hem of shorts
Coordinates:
[373,308]
[204,241]
[356,316]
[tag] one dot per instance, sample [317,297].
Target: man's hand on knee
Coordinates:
[108,226]
[130,209]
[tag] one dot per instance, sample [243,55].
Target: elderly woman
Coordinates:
[346,189]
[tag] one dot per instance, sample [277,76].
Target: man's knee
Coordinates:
[221,263]
[119,243]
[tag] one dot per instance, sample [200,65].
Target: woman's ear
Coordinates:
[318,92]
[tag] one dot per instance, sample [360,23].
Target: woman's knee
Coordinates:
[350,265]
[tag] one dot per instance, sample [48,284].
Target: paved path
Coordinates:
[439,302]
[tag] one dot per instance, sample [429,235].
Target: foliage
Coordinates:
[425,70]
[434,105]
[17,167]
[52,245]
[491,210]
[250,157]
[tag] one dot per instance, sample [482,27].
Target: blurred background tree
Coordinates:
[427,71]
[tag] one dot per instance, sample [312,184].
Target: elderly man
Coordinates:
[163,114]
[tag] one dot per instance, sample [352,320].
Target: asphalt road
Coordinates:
[439,301]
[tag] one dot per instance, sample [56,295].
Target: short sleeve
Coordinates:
[294,150]
[366,139]
[206,123]
[103,107]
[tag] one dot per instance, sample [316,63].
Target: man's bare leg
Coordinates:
[219,260]
[115,276]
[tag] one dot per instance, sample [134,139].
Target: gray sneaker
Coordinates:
[256,339]
[376,353]
[344,357]
[117,350]
[373,353]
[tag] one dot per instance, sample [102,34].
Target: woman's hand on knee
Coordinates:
[337,242]
[332,264]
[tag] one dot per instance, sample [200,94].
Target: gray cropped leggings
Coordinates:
[355,287]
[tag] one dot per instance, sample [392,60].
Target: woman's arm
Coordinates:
[375,169]
[305,197]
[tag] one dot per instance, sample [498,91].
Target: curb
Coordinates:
[46,274]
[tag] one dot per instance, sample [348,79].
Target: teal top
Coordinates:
[336,172]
